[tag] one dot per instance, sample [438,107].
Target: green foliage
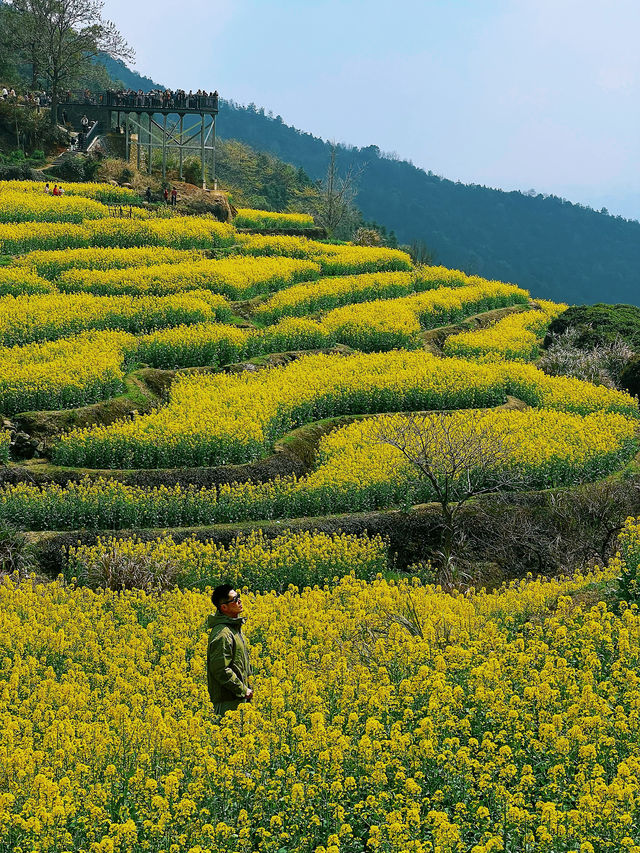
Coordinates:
[630,376]
[25,131]
[192,170]
[16,552]
[598,325]
[546,244]
[76,167]
[420,253]
[259,180]
[628,581]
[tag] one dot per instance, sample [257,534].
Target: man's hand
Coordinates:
[249,695]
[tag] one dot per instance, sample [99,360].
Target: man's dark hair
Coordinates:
[220,594]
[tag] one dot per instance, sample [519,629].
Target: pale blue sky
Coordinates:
[516,94]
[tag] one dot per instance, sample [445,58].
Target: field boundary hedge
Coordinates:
[293,454]
[413,536]
[436,337]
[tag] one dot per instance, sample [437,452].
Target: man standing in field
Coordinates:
[228,667]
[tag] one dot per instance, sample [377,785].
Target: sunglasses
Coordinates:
[233,600]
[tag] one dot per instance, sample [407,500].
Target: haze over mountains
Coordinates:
[552,247]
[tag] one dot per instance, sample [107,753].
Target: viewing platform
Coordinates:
[145,102]
[162,122]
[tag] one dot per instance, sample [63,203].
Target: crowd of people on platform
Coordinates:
[155,98]
[29,99]
[162,99]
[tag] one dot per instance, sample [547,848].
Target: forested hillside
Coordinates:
[554,248]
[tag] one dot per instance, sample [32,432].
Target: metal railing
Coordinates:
[85,139]
[143,100]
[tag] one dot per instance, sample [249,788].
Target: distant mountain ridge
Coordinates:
[552,247]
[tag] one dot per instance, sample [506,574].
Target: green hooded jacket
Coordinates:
[228,667]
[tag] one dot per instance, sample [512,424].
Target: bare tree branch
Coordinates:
[454,459]
[60,38]
[334,208]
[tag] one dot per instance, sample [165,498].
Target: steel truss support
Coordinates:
[189,133]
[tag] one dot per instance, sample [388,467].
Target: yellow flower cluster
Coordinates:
[15,281]
[302,559]
[70,372]
[218,419]
[183,232]
[51,263]
[356,472]
[278,245]
[544,448]
[384,324]
[328,293]
[291,333]
[514,338]
[628,580]
[562,393]
[386,715]
[26,319]
[196,345]
[334,292]
[333,259]
[90,366]
[266,220]
[236,277]
[29,207]
[106,193]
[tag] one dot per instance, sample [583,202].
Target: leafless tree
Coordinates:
[557,530]
[60,38]
[334,206]
[456,459]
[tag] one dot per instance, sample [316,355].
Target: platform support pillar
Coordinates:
[138,137]
[164,148]
[150,146]
[180,147]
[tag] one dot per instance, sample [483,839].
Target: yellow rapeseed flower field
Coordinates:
[236,277]
[16,281]
[184,232]
[515,338]
[53,262]
[383,324]
[387,716]
[70,372]
[329,293]
[28,207]
[264,219]
[104,192]
[25,319]
[217,419]
[355,472]
[334,259]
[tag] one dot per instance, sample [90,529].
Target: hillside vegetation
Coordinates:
[554,248]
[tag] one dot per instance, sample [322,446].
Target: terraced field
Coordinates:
[185,401]
[179,353]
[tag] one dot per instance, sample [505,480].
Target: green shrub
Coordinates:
[192,170]
[630,376]
[76,167]
[598,325]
